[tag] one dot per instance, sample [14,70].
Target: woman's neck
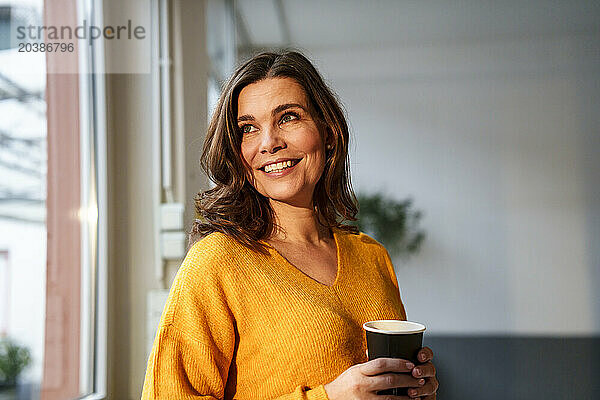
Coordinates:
[297,225]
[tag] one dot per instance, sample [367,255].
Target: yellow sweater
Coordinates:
[240,324]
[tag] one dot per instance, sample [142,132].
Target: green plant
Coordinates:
[391,222]
[13,360]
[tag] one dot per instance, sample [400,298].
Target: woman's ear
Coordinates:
[329,139]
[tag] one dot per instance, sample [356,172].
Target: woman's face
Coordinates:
[281,143]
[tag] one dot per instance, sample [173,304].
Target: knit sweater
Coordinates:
[244,325]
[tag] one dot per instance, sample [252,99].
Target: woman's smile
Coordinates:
[280,167]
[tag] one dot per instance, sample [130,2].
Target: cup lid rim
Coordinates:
[416,327]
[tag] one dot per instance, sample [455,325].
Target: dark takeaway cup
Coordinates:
[394,339]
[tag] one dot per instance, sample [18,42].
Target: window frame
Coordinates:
[94,240]
[76,302]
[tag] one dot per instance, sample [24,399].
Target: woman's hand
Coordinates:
[363,381]
[425,370]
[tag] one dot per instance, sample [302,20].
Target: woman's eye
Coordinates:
[248,129]
[288,117]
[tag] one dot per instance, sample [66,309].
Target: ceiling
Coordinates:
[320,25]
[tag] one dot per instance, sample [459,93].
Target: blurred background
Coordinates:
[475,133]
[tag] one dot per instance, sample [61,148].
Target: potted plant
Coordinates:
[13,360]
[393,223]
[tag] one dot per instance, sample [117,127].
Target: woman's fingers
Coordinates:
[425,354]
[383,365]
[389,381]
[424,370]
[430,387]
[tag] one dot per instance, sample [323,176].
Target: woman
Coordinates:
[271,297]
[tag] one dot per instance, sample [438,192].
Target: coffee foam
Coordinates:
[394,326]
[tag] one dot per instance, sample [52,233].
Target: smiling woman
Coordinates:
[271,298]
[283,140]
[297,96]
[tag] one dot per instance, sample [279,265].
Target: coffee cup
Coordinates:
[394,339]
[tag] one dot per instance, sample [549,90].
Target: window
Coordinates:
[22,196]
[52,191]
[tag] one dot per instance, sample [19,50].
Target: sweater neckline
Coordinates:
[296,274]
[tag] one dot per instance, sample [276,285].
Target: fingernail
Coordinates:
[422,357]
[410,365]
[421,382]
[412,392]
[417,372]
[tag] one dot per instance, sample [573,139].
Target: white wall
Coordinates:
[497,141]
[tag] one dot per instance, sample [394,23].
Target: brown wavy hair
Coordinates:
[234,206]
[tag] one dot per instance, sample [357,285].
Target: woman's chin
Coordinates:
[295,199]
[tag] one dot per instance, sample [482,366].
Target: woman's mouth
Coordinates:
[281,166]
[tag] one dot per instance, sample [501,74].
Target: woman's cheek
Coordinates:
[248,150]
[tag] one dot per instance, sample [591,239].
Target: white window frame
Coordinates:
[94,292]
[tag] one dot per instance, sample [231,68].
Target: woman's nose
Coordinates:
[272,141]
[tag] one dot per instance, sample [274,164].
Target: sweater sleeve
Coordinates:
[180,369]
[390,267]
[195,342]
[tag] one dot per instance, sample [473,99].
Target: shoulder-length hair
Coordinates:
[234,206]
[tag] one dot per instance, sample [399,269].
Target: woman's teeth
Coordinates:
[278,167]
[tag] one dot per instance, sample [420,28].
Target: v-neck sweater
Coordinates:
[245,325]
